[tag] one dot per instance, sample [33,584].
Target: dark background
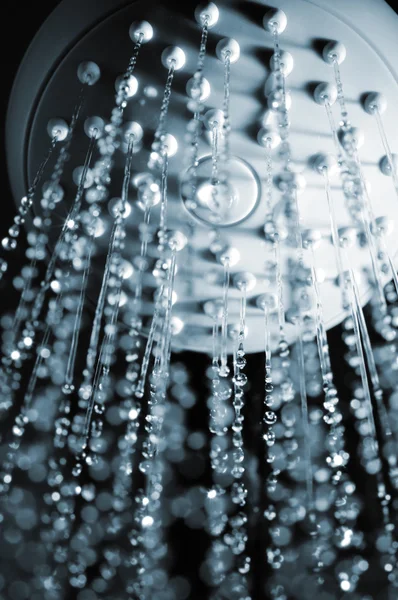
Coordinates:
[20,22]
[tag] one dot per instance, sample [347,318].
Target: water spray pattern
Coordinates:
[253,453]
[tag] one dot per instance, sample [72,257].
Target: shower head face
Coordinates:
[101,34]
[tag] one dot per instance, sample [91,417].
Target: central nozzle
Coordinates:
[226,202]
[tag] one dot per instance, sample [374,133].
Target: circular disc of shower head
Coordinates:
[224,204]
[47,87]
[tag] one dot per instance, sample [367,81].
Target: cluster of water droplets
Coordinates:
[308,491]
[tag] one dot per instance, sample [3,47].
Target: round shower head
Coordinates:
[98,33]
